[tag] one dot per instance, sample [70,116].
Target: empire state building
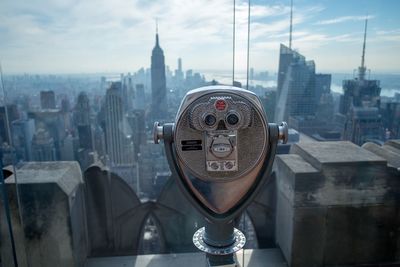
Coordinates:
[158,83]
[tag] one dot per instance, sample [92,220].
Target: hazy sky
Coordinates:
[60,36]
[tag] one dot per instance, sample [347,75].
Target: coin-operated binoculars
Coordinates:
[221,149]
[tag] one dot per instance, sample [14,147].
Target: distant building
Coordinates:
[158,83]
[69,148]
[179,72]
[5,121]
[136,120]
[359,92]
[322,85]
[82,121]
[397,97]
[140,97]
[268,101]
[82,110]
[43,148]
[360,105]
[326,108]
[118,136]
[311,125]
[22,131]
[66,113]
[47,100]
[151,161]
[52,121]
[189,74]
[8,154]
[363,124]
[304,97]
[131,94]
[251,78]
[296,94]
[99,143]
[391,119]
[65,105]
[103,83]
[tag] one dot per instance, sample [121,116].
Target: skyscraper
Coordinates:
[43,148]
[140,102]
[179,72]
[180,64]
[119,136]
[359,91]
[296,85]
[322,85]
[360,104]
[363,124]
[82,110]
[82,121]
[5,122]
[131,93]
[47,100]
[50,120]
[158,83]
[118,143]
[22,131]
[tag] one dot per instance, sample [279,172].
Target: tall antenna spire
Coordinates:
[156,25]
[291,24]
[362,69]
[157,32]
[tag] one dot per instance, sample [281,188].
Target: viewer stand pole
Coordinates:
[220,241]
[220,236]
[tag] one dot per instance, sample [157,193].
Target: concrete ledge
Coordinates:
[52,229]
[337,204]
[389,151]
[252,258]
[297,178]
[335,153]
[66,174]
[393,143]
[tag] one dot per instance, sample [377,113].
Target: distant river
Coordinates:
[390,83]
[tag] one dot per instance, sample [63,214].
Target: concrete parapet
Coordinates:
[389,151]
[246,258]
[337,204]
[51,227]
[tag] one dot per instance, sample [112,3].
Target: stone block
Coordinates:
[52,229]
[362,234]
[341,153]
[394,143]
[298,217]
[297,179]
[351,175]
[309,236]
[337,204]
[392,156]
[5,244]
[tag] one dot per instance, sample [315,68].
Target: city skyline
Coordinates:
[115,37]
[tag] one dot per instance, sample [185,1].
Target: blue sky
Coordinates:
[59,36]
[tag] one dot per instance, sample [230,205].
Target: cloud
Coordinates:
[106,34]
[118,35]
[342,19]
[388,32]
